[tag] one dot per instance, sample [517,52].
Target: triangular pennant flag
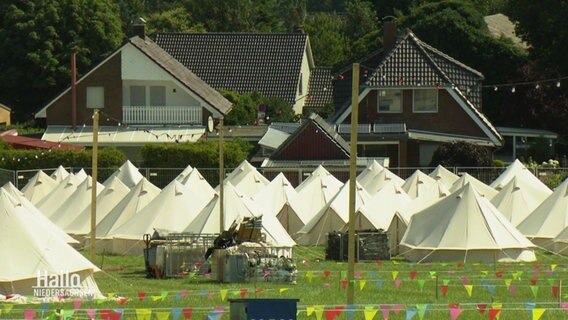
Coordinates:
[432,274]
[162,315]
[331,314]
[183,293]
[111,295]
[373,274]
[468,289]
[187,313]
[326,274]
[529,306]
[499,273]
[512,289]
[493,313]
[385,310]
[283,290]
[537,313]
[481,308]
[214,315]
[395,262]
[91,313]
[350,311]
[422,309]
[534,281]
[309,275]
[29,314]
[484,282]
[141,296]
[66,314]
[77,304]
[455,312]
[343,274]
[410,313]
[465,280]
[534,290]
[357,275]
[370,312]
[491,289]
[143,314]
[397,308]
[394,274]
[555,291]
[176,312]
[121,300]
[243,293]
[508,283]
[445,282]
[163,295]
[319,312]
[564,306]
[515,275]
[379,284]
[397,283]
[223,293]
[484,273]
[421,283]
[362,284]
[412,274]
[344,283]
[444,289]
[310,310]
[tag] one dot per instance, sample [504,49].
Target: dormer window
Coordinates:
[389,101]
[425,100]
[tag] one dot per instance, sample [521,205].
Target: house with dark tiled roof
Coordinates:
[144,96]
[412,98]
[278,65]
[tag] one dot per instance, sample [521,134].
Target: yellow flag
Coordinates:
[156,298]
[283,289]
[162,315]
[223,293]
[362,284]
[309,275]
[370,313]
[537,313]
[508,283]
[553,266]
[309,311]
[395,262]
[319,312]
[469,289]
[394,275]
[111,295]
[143,314]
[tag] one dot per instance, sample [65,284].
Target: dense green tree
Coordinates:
[172,20]
[130,11]
[38,37]
[544,26]
[362,29]
[245,107]
[278,110]
[327,38]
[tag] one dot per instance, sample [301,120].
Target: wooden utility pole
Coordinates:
[352,186]
[221,177]
[94,182]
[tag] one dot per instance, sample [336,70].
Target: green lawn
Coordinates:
[387,286]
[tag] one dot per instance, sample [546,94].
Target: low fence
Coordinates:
[163,176]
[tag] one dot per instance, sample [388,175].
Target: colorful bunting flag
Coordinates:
[537,313]
[468,289]
[362,284]
[369,312]
[534,290]
[143,314]
[422,309]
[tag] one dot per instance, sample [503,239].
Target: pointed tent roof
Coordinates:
[107,199]
[281,200]
[39,186]
[380,180]
[381,208]
[444,175]
[51,202]
[45,252]
[127,173]
[465,220]
[138,197]
[184,173]
[247,179]
[367,175]
[35,214]
[237,207]
[197,183]
[72,206]
[518,199]
[550,217]
[332,217]
[427,197]
[171,211]
[59,174]
[518,169]
[318,190]
[466,178]
[416,183]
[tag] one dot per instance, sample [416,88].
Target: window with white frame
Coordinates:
[157,96]
[425,100]
[137,95]
[389,101]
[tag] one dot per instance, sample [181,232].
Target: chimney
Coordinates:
[139,28]
[389,33]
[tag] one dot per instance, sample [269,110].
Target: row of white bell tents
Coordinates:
[47,253]
[321,187]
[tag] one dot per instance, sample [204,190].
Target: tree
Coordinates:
[278,110]
[38,37]
[362,29]
[329,44]
[461,154]
[172,20]
[245,107]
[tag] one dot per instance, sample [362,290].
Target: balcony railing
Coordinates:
[162,115]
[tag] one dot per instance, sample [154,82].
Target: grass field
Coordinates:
[383,289]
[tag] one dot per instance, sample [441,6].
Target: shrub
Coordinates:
[23,159]
[461,154]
